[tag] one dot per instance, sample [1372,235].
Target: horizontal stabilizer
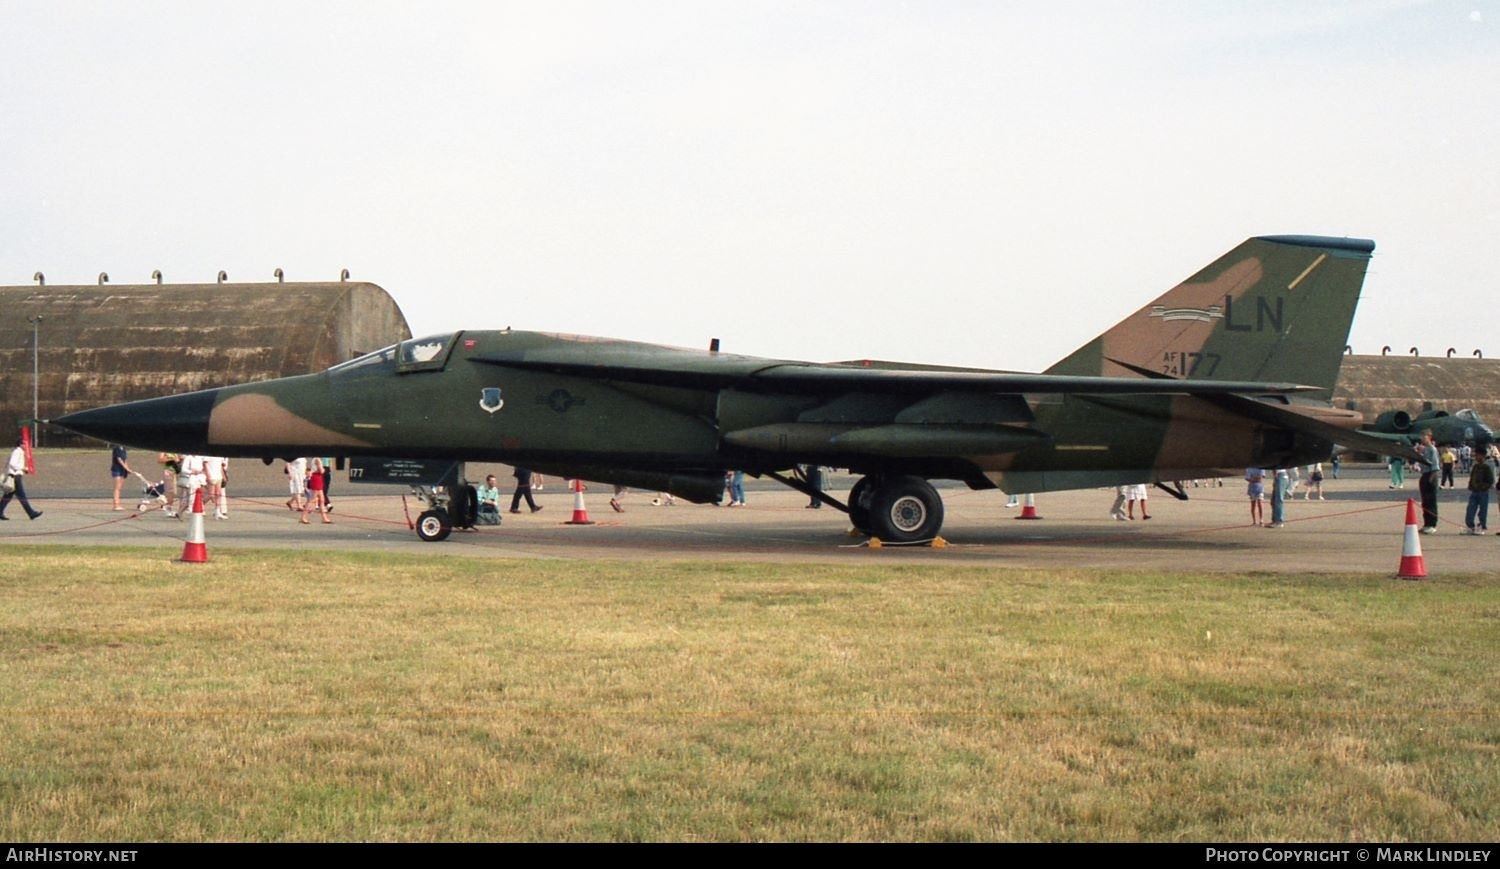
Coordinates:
[1283,417]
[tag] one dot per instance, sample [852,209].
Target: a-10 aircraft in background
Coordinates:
[1231,368]
[1448,429]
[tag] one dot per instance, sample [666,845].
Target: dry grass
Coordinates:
[323,696]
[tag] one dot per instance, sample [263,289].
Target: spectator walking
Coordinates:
[523,490]
[815,481]
[1314,482]
[1481,480]
[213,472]
[119,469]
[296,483]
[328,482]
[171,466]
[315,499]
[1279,488]
[1255,480]
[12,486]
[1117,509]
[190,479]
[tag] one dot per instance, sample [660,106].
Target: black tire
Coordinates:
[906,510]
[860,498]
[434,525]
[463,509]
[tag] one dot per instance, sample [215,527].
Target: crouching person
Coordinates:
[489,502]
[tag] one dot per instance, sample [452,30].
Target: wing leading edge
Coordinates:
[676,367]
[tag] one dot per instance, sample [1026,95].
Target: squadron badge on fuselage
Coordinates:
[490,400]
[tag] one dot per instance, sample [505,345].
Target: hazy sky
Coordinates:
[970,183]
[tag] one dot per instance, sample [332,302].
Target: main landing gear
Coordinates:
[896,509]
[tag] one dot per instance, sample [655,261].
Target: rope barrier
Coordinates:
[519,536]
[79,528]
[1167,535]
[1111,537]
[344,515]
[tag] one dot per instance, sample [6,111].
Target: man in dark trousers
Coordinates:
[15,469]
[815,480]
[1481,481]
[1427,463]
[523,490]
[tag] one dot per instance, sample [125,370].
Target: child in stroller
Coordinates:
[153,495]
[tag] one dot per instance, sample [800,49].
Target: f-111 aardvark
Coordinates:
[1231,368]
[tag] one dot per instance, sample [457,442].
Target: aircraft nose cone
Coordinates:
[178,423]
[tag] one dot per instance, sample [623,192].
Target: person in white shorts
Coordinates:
[296,483]
[191,480]
[213,471]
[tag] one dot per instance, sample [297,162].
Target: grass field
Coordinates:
[270,696]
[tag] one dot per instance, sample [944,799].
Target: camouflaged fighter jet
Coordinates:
[1231,368]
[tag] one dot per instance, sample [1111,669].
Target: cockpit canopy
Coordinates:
[428,353]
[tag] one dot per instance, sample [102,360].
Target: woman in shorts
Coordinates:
[1256,489]
[315,494]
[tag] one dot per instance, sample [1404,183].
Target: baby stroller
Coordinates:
[153,495]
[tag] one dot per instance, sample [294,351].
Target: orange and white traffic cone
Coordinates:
[1412,565]
[580,512]
[195,550]
[1028,509]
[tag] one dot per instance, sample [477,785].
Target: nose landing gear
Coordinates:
[434,525]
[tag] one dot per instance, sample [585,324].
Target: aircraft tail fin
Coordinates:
[1276,308]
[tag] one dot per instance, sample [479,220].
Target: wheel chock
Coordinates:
[934,543]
